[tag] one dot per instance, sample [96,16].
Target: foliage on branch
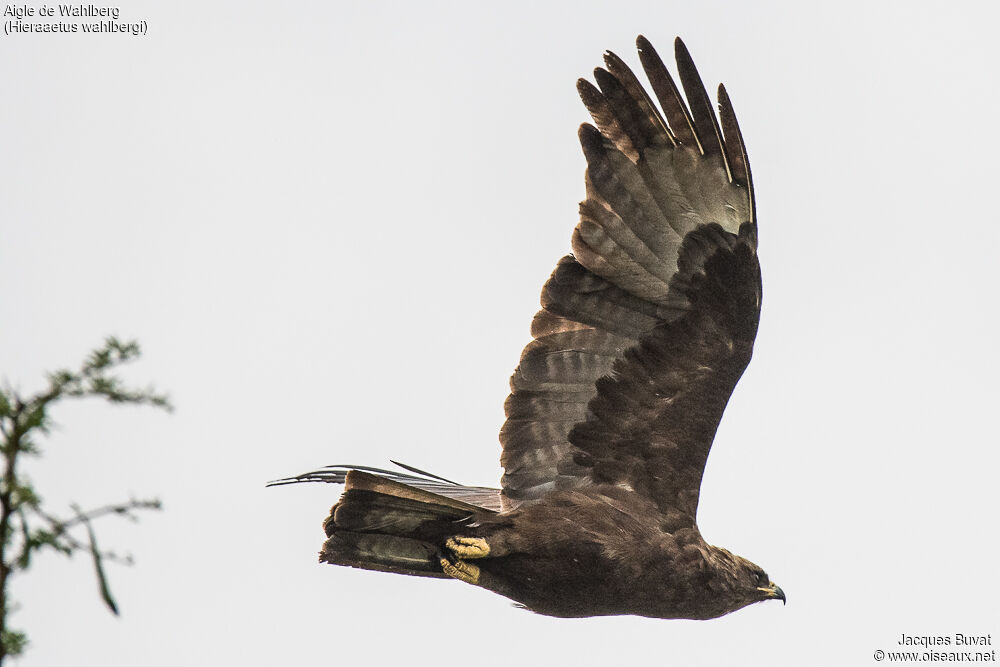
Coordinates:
[26,527]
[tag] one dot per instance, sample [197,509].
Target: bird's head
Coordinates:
[748,581]
[763,586]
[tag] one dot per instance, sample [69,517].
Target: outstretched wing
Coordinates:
[645,330]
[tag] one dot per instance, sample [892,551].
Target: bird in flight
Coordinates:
[644,331]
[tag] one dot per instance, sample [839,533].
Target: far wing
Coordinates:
[645,330]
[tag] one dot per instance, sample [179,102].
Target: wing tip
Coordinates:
[589,135]
[612,60]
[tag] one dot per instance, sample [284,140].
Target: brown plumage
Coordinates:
[644,332]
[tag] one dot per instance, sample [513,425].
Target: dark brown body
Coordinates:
[603,556]
[593,551]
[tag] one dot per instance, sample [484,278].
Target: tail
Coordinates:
[381,524]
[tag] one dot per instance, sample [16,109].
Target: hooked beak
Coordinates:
[773,592]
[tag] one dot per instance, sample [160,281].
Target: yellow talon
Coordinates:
[461,570]
[468,547]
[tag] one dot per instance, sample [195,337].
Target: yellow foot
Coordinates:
[461,570]
[468,547]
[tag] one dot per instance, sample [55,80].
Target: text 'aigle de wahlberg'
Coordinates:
[20,19]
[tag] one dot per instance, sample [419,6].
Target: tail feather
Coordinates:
[383,553]
[363,511]
[477,496]
[358,479]
[386,525]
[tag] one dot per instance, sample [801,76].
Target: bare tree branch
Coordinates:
[25,527]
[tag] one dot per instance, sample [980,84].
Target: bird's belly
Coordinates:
[573,585]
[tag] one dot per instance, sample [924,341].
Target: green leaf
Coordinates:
[35,418]
[23,493]
[14,642]
[42,538]
[26,445]
[60,378]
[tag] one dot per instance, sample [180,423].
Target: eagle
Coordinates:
[644,331]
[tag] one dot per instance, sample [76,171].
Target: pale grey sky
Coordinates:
[328,225]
